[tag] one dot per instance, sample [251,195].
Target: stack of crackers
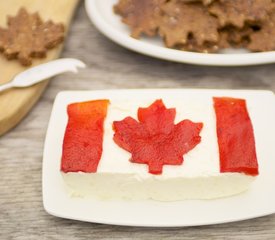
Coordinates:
[203,25]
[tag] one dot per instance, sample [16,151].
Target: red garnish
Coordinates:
[235,136]
[82,145]
[155,140]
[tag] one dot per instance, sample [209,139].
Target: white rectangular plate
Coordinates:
[258,201]
[102,15]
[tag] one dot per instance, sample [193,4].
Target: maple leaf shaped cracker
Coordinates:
[193,46]
[234,37]
[3,38]
[141,15]
[263,40]
[155,139]
[205,2]
[238,12]
[28,36]
[180,20]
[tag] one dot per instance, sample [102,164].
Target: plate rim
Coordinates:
[56,212]
[225,60]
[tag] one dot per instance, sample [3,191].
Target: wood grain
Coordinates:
[22,216]
[16,103]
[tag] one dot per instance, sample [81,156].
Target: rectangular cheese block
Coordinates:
[199,176]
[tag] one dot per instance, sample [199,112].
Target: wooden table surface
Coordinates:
[109,66]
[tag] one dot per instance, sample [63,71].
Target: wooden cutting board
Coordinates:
[16,103]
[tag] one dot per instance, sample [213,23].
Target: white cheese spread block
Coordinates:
[198,177]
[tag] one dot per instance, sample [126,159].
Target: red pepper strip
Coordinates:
[235,136]
[82,145]
[154,139]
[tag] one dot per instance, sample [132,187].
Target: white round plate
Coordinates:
[102,15]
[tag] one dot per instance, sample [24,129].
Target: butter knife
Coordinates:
[42,72]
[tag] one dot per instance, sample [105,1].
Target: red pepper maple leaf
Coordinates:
[155,140]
